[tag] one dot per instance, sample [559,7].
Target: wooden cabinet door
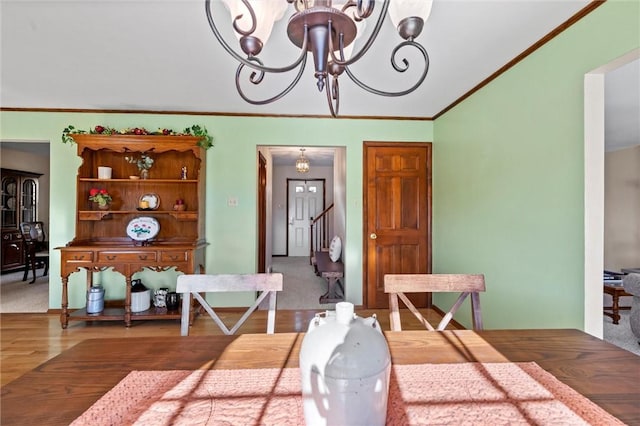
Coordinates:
[12,250]
[10,201]
[397,216]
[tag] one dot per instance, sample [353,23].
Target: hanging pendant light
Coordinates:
[302,164]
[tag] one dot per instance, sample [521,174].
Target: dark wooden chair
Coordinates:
[36,248]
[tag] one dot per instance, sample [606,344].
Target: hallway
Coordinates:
[302,288]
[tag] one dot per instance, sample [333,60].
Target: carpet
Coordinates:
[19,296]
[419,394]
[302,288]
[620,334]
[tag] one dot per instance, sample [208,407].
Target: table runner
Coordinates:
[424,394]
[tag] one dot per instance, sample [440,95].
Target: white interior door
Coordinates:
[305,202]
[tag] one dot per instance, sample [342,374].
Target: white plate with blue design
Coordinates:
[143,228]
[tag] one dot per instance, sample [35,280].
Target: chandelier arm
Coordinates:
[399,69]
[248,62]
[258,80]
[333,94]
[337,60]
[253,20]
[372,37]
[362,11]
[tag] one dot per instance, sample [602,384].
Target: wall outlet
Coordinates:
[232,201]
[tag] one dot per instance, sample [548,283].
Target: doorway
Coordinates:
[16,295]
[594,143]
[327,164]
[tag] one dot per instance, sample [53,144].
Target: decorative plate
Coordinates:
[11,188]
[152,199]
[143,228]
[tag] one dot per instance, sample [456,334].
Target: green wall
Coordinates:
[231,171]
[508,176]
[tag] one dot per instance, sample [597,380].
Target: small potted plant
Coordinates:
[144,163]
[100,196]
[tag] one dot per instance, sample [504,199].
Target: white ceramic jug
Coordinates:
[344,366]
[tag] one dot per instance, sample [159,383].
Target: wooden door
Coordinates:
[397,216]
[262,213]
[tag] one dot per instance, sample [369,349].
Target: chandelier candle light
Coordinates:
[302,164]
[325,30]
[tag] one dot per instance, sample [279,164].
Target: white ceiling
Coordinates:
[160,55]
[317,156]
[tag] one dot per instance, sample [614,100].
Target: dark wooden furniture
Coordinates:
[61,389]
[333,272]
[18,203]
[36,248]
[615,290]
[12,252]
[101,241]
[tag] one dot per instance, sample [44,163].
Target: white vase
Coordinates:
[104,172]
[345,366]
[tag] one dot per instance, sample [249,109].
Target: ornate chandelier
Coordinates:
[328,32]
[302,164]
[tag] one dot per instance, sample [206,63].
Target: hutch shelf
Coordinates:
[101,240]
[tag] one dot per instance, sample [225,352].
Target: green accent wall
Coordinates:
[508,177]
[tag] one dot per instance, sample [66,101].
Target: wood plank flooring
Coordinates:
[28,340]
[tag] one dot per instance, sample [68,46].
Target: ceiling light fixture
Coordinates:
[302,164]
[309,29]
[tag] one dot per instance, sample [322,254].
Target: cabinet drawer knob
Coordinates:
[143,257]
[174,257]
[113,257]
[78,257]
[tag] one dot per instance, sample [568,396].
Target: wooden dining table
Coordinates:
[61,389]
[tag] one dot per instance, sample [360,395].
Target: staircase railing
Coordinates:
[320,229]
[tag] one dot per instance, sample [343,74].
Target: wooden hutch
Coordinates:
[19,203]
[102,242]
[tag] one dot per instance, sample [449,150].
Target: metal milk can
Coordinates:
[95,299]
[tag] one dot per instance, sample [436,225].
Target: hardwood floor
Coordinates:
[28,340]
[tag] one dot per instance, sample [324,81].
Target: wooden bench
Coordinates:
[333,272]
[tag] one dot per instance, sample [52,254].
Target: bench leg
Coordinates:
[334,293]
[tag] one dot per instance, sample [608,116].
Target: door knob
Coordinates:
[373,236]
